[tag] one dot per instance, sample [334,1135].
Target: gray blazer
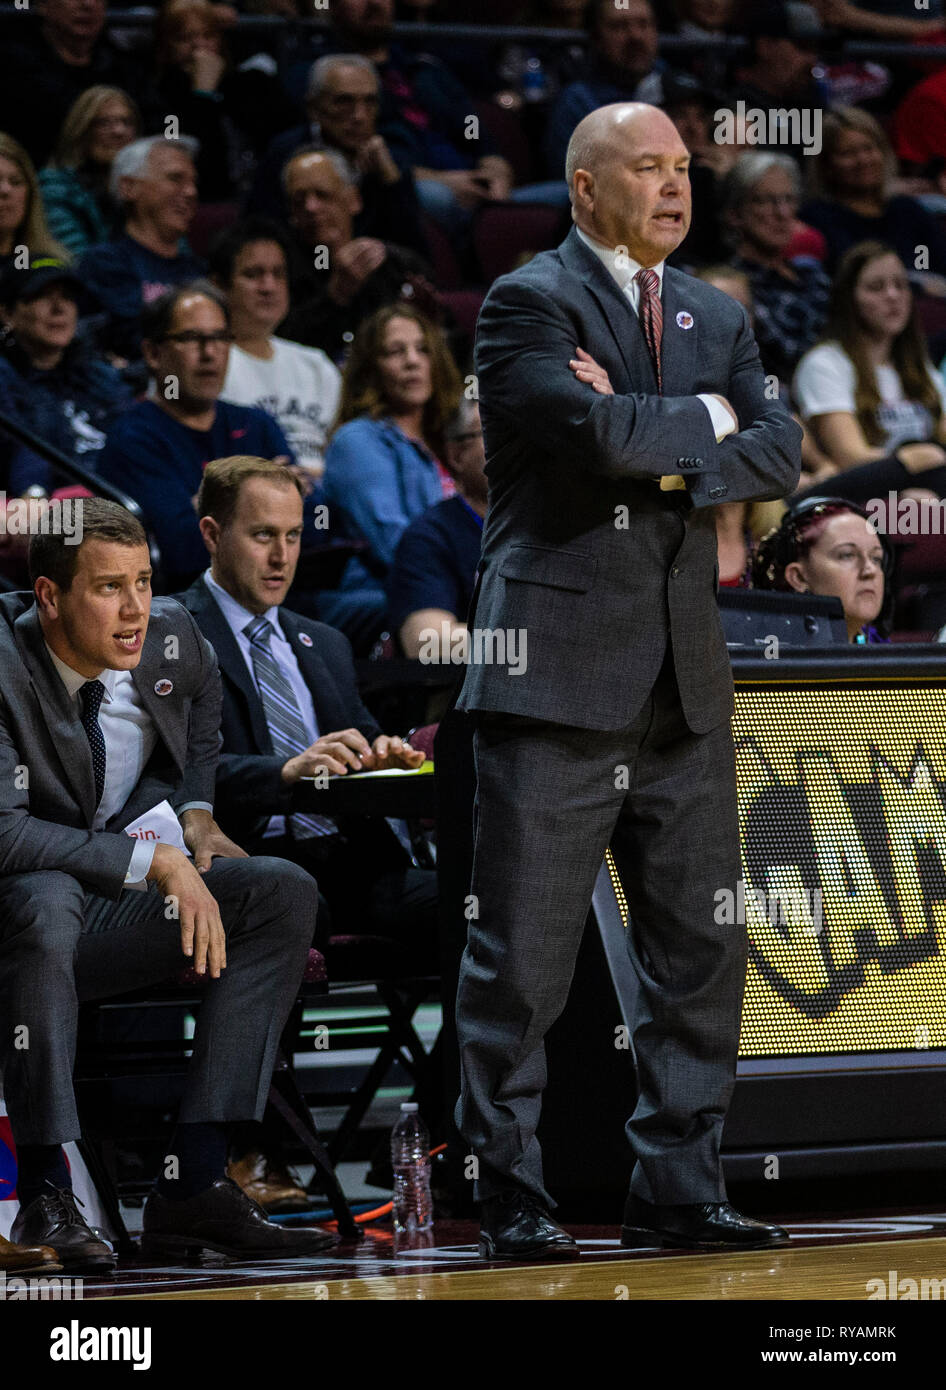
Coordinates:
[581,550]
[47,787]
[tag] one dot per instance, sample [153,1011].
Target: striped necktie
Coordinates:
[652,322]
[284,720]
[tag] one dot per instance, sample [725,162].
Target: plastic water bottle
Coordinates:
[410,1159]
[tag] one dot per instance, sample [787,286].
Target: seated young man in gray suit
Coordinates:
[291,708]
[109,716]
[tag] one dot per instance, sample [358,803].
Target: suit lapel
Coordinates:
[619,318]
[68,737]
[151,669]
[318,676]
[217,630]
[680,354]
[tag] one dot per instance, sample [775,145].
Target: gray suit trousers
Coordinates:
[550,800]
[60,945]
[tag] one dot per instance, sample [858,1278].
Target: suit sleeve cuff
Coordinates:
[722,420]
[139,865]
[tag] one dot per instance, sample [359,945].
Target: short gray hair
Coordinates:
[337,160]
[132,160]
[748,170]
[319,71]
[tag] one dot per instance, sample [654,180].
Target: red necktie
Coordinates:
[652,316]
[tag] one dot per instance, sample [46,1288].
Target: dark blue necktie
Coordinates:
[284,719]
[90,696]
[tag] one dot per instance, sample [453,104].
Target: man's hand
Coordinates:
[204,838]
[202,934]
[353,264]
[469,186]
[586,369]
[374,157]
[333,753]
[390,751]
[498,175]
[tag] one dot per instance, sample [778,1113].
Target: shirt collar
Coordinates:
[74,681]
[622,269]
[236,615]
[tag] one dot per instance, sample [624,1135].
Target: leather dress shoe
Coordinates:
[28,1259]
[269,1183]
[53,1219]
[515,1225]
[701,1226]
[224,1219]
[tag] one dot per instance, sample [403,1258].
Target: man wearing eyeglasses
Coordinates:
[157,451]
[342,103]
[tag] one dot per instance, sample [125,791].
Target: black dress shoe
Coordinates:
[54,1220]
[702,1226]
[224,1219]
[515,1225]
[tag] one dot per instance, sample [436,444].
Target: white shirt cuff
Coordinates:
[140,864]
[196,806]
[722,420]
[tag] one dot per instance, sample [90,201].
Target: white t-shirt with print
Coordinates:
[300,386]
[825,382]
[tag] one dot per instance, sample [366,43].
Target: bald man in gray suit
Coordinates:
[621,400]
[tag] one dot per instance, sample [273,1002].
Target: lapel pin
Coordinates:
[684,320]
[163,687]
[305,639]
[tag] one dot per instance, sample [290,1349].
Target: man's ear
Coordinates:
[47,597]
[583,189]
[150,354]
[794,575]
[210,531]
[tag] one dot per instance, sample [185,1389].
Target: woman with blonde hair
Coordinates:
[853,199]
[399,389]
[80,210]
[22,216]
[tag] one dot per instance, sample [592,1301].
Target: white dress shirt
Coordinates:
[130,736]
[237,618]
[623,270]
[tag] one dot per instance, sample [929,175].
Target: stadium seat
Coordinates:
[503,232]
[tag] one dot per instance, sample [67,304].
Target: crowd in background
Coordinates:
[218,239]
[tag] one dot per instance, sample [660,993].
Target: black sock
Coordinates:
[37,1165]
[196,1158]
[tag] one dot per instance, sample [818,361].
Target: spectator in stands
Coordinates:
[883,19]
[299,386]
[338,279]
[157,451]
[424,117]
[49,382]
[851,182]
[622,66]
[22,218]
[827,545]
[342,102]
[868,391]
[79,206]
[761,198]
[783,51]
[430,584]
[399,388]
[155,182]
[707,20]
[66,51]
[233,112]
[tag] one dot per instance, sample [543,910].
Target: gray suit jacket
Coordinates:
[582,552]
[47,787]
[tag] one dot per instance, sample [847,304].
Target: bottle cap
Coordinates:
[409,1105]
